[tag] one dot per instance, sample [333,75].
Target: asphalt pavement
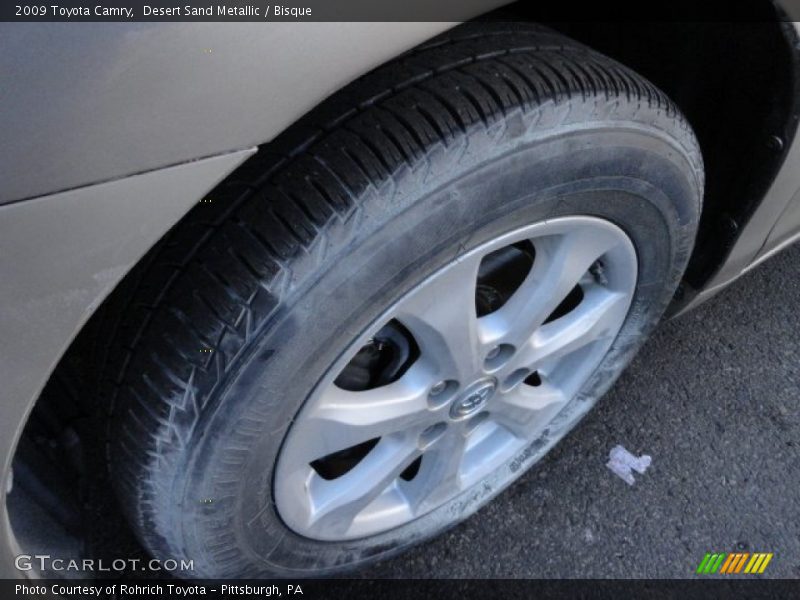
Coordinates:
[714,399]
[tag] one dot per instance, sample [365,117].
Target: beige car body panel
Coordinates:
[113,99]
[79,208]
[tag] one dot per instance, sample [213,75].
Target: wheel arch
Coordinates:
[738,84]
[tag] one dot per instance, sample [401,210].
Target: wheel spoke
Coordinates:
[442,318]
[597,317]
[342,419]
[561,261]
[443,478]
[337,503]
[524,409]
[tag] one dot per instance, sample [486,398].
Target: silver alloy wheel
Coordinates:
[481,389]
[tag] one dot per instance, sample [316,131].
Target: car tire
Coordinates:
[229,327]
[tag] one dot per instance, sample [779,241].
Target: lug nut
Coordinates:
[438,388]
[498,356]
[441,393]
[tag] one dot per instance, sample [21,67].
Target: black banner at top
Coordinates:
[393,10]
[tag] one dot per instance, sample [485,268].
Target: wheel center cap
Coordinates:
[473,399]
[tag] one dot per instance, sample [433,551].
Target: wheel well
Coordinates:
[736,84]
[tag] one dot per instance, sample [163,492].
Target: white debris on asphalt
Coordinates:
[623,463]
